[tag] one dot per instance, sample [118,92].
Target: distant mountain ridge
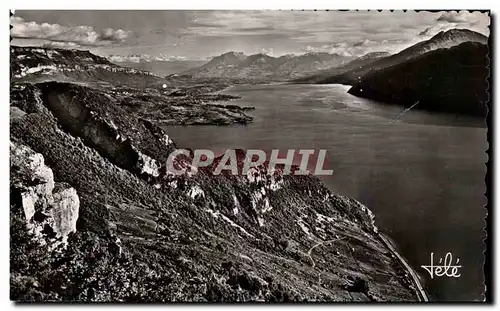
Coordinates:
[78,66]
[324,74]
[445,40]
[262,66]
[164,68]
[441,40]
[374,55]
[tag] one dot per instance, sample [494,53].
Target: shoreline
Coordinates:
[384,238]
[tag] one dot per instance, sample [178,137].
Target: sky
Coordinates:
[189,35]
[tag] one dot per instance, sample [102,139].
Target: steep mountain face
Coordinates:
[446,40]
[262,67]
[95,216]
[449,80]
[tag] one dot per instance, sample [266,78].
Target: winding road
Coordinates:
[318,244]
[420,289]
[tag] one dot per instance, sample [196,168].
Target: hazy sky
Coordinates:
[166,35]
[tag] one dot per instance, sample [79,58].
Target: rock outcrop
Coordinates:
[50,208]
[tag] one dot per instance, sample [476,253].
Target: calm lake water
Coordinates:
[422,175]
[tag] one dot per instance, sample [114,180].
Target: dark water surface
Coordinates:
[422,176]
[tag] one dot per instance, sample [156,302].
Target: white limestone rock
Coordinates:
[64,210]
[57,202]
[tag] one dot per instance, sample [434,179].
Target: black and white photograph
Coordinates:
[272,156]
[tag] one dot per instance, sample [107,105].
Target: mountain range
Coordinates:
[264,67]
[396,78]
[441,40]
[323,68]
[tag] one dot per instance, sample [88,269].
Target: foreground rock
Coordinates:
[142,236]
[50,209]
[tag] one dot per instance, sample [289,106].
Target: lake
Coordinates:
[422,174]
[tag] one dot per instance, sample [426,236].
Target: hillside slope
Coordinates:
[448,80]
[441,40]
[337,70]
[142,235]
